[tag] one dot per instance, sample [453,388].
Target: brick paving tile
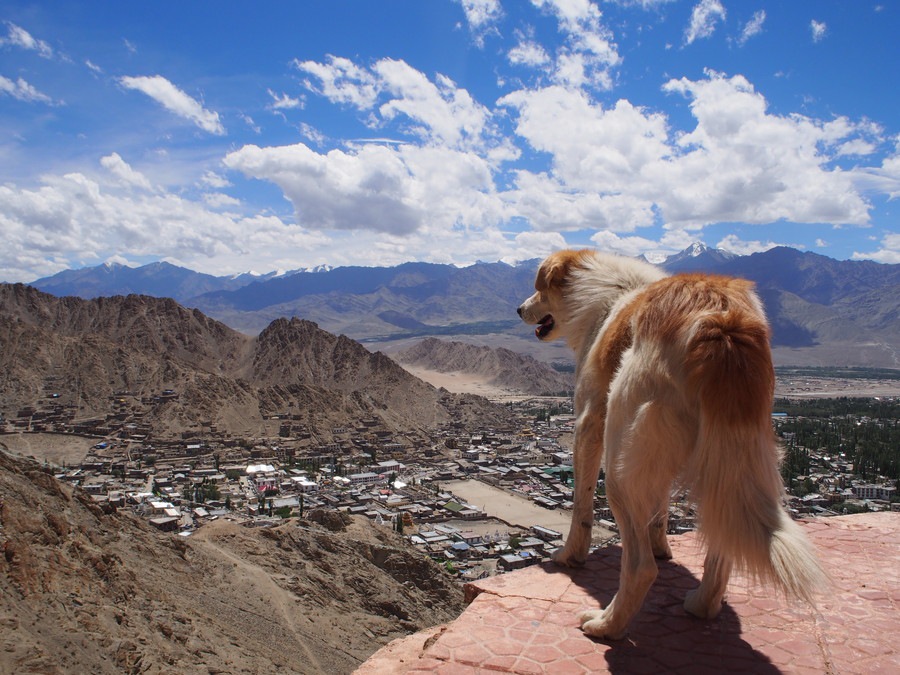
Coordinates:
[527,621]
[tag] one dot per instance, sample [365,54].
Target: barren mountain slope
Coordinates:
[83,353]
[85,592]
[500,367]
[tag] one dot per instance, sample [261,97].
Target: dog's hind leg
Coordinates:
[658,528]
[705,602]
[643,455]
[587,458]
[638,566]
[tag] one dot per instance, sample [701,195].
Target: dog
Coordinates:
[674,387]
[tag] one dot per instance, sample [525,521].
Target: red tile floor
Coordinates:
[526,621]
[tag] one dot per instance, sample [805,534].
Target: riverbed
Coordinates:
[514,509]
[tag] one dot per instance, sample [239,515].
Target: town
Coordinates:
[407,483]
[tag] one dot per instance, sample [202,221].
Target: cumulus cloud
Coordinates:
[622,167]
[284,102]
[22,91]
[753,27]
[589,53]
[741,163]
[341,81]
[371,189]
[735,244]
[435,112]
[176,101]
[73,220]
[481,15]
[630,246]
[704,18]
[394,190]
[123,171]
[818,30]
[528,53]
[887,252]
[19,37]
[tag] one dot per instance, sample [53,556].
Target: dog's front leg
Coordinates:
[588,455]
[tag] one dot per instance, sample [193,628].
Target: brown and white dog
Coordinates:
[674,387]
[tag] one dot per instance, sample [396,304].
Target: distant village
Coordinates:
[178,485]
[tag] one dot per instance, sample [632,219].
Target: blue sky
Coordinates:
[232,136]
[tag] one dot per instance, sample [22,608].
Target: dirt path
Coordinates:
[263,589]
[58,449]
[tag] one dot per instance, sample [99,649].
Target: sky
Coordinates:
[231,136]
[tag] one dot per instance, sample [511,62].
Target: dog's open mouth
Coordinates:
[544,327]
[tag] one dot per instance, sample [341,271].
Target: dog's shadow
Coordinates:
[663,637]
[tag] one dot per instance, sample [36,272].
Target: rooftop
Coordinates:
[526,621]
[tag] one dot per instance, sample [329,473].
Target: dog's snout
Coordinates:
[519,310]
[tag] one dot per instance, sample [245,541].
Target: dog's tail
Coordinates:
[734,473]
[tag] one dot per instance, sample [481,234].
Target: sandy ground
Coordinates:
[464,383]
[513,509]
[61,450]
[806,387]
[822,387]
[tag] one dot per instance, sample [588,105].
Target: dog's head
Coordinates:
[547,307]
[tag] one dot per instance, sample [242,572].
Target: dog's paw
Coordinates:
[567,558]
[662,552]
[599,623]
[695,606]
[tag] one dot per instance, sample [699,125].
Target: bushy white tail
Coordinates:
[734,472]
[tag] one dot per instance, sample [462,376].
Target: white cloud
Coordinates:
[123,171]
[448,115]
[176,101]
[368,190]
[704,17]
[219,200]
[72,220]
[482,16]
[589,53]
[284,102]
[643,4]
[481,12]
[818,30]
[888,252]
[621,168]
[528,53]
[393,190]
[630,246]
[439,113]
[214,180]
[23,91]
[735,244]
[93,67]
[19,37]
[341,81]
[742,164]
[529,245]
[753,27]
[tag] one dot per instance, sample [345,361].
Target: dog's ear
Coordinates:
[557,266]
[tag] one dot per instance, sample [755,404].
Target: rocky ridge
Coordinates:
[89,592]
[501,367]
[84,353]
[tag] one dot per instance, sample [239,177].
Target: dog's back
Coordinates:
[712,339]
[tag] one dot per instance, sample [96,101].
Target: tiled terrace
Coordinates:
[526,621]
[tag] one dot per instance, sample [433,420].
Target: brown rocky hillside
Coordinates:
[86,592]
[83,353]
[500,367]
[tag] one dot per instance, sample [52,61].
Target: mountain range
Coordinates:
[88,353]
[823,311]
